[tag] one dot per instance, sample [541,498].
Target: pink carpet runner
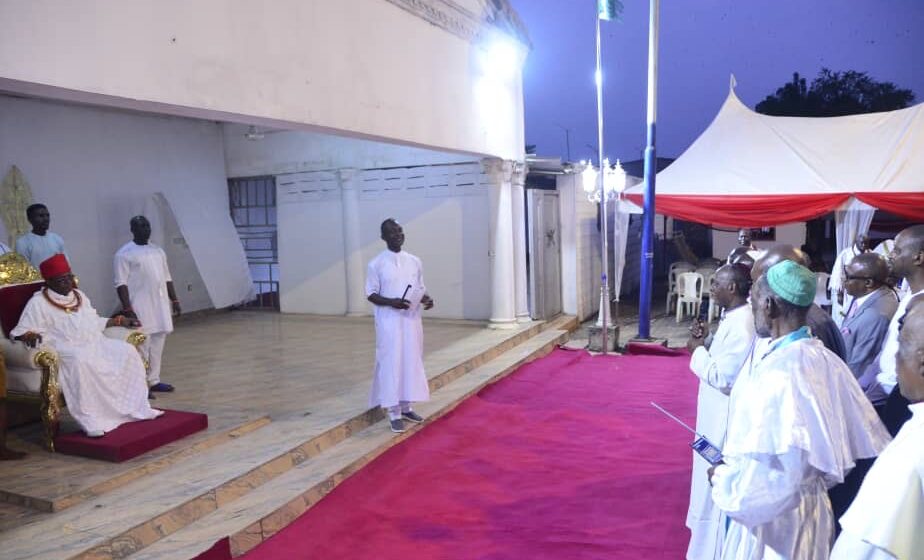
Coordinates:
[564,458]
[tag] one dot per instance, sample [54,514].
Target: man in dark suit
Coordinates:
[867,321]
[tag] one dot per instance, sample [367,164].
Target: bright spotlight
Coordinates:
[500,58]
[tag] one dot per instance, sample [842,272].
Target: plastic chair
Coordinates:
[689,293]
[675,269]
[822,292]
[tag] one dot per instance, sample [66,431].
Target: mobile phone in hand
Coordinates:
[706,450]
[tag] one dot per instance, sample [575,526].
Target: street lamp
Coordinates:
[611,187]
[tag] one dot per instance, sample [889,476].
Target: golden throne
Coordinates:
[32,373]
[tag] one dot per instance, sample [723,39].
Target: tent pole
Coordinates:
[647,257]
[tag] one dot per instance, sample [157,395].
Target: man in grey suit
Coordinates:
[867,320]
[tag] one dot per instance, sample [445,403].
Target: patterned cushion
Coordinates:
[13,300]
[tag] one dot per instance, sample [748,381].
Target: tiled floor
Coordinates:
[242,368]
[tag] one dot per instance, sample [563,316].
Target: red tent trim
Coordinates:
[746,210]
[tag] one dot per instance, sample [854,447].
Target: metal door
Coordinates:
[544,233]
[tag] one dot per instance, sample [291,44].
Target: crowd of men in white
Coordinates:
[801,418]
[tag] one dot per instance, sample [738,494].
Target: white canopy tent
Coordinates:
[751,170]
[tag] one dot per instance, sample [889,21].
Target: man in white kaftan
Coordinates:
[798,424]
[840,300]
[394,284]
[886,520]
[39,244]
[103,379]
[717,368]
[146,291]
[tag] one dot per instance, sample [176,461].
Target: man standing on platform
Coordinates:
[102,378]
[145,289]
[886,520]
[394,284]
[717,365]
[39,244]
[797,425]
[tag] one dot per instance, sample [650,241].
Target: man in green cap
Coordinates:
[798,423]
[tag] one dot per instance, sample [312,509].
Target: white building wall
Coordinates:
[724,241]
[581,264]
[97,168]
[365,68]
[444,212]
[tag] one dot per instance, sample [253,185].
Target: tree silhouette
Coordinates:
[834,94]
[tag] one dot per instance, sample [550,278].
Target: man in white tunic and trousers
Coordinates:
[886,520]
[146,292]
[395,285]
[103,379]
[797,425]
[717,365]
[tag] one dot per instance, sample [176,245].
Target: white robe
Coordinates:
[886,519]
[887,378]
[798,423]
[103,379]
[399,371]
[143,269]
[38,248]
[836,282]
[717,369]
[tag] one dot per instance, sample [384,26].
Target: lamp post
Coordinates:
[602,189]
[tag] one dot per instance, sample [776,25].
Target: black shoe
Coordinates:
[412,416]
[151,396]
[397,426]
[162,387]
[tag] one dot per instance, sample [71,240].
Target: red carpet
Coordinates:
[564,459]
[221,550]
[134,438]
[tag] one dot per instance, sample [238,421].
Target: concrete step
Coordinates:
[140,513]
[260,514]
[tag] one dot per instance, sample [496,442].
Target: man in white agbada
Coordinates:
[717,366]
[907,262]
[102,378]
[39,244]
[394,284]
[840,301]
[797,426]
[146,292]
[886,520]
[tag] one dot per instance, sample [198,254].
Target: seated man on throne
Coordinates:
[103,379]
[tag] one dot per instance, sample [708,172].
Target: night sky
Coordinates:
[761,42]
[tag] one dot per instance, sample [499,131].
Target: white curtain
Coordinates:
[620,233]
[852,219]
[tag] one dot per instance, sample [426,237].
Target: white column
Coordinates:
[518,195]
[352,246]
[501,252]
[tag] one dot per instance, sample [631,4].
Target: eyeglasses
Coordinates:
[849,278]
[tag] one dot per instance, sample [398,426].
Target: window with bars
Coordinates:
[253,211]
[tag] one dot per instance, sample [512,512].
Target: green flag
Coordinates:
[609,9]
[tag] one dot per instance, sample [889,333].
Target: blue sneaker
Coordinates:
[412,416]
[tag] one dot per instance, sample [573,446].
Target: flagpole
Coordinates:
[647,257]
[604,281]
